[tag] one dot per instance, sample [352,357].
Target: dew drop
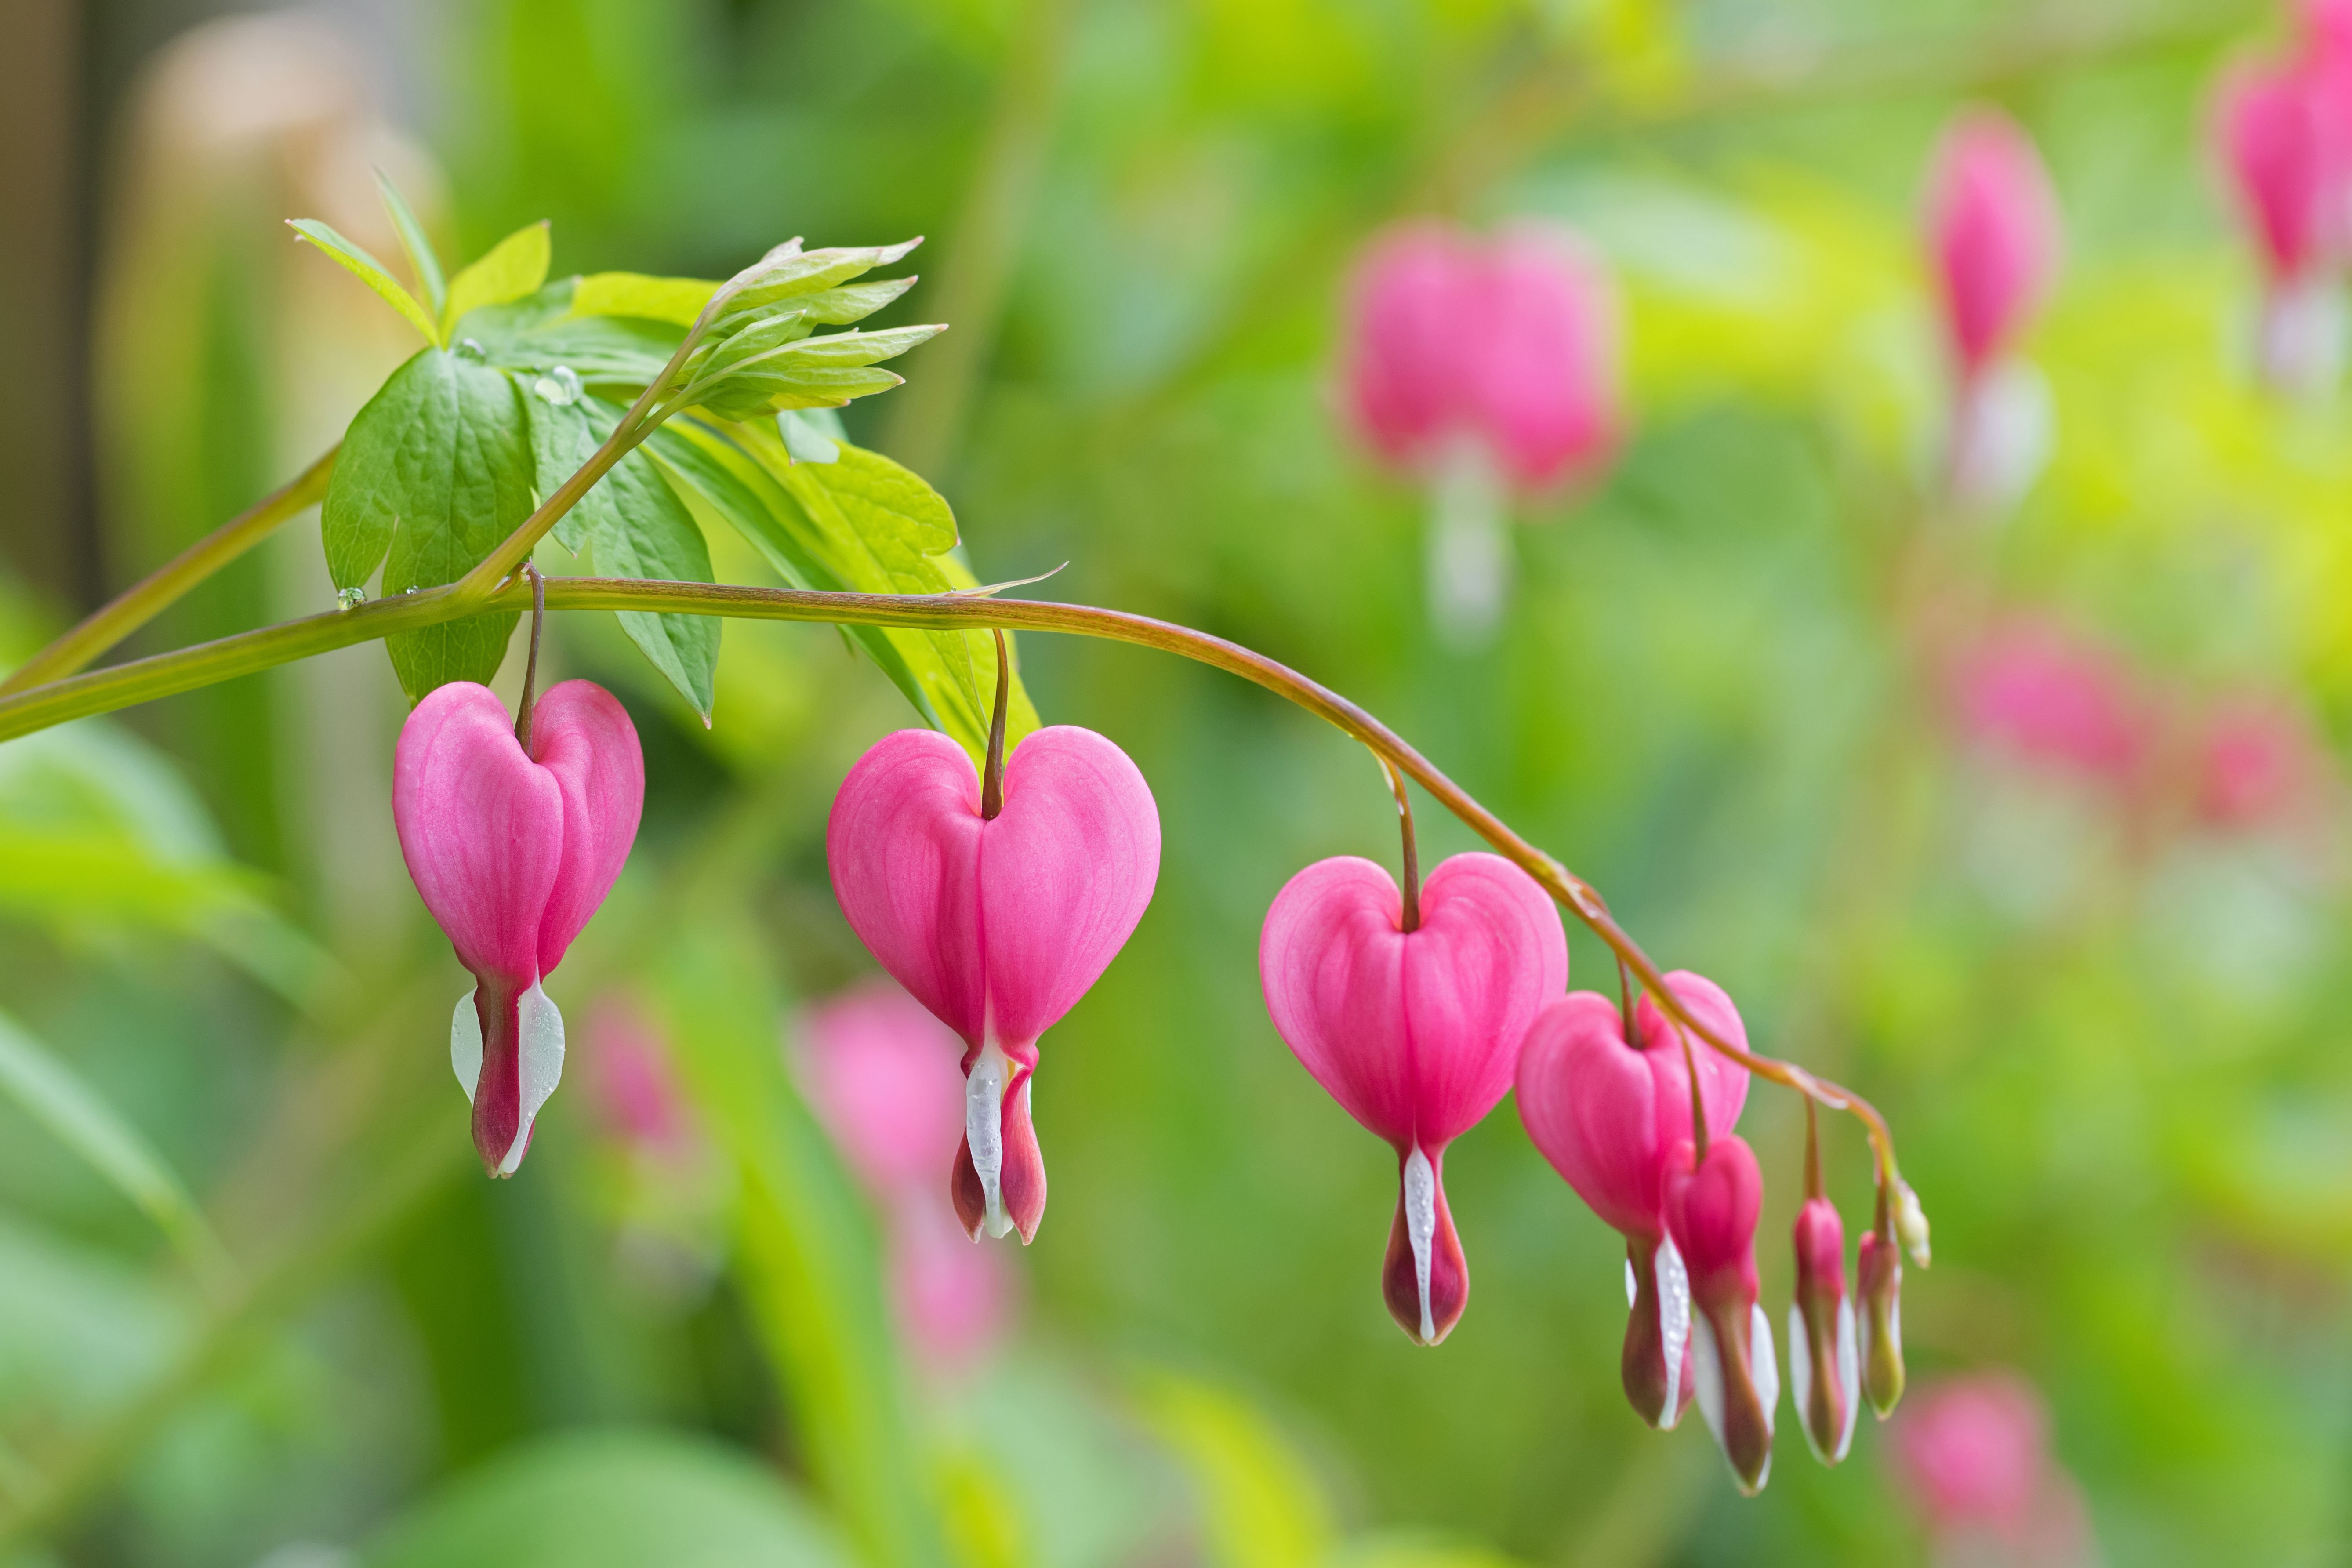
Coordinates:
[559,386]
[472,348]
[350,598]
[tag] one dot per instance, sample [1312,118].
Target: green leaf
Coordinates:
[614,1499]
[802,372]
[810,1259]
[435,471]
[544,330]
[678,300]
[81,1119]
[788,272]
[514,267]
[370,271]
[862,524]
[421,258]
[634,525]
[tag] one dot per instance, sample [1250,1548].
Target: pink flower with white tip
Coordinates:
[1409,1009]
[2284,154]
[1485,367]
[512,851]
[1713,1199]
[996,914]
[1824,1344]
[1992,235]
[1607,1111]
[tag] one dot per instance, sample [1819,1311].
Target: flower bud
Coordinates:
[1824,1363]
[1712,1206]
[1878,1270]
[1911,1222]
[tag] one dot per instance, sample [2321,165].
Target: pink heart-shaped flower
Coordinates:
[512,854]
[1000,925]
[1413,1032]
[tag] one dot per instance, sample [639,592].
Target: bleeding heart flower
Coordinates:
[1606,1113]
[1973,1452]
[1824,1356]
[512,854]
[1413,1031]
[997,925]
[1878,1273]
[1712,1203]
[2283,135]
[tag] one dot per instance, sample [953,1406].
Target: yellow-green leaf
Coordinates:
[675,299]
[370,271]
[515,267]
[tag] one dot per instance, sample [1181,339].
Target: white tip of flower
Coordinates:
[1763,1361]
[2002,435]
[984,1129]
[541,1063]
[1633,1290]
[1674,1326]
[1849,1371]
[1911,1223]
[1421,1230]
[1707,1375]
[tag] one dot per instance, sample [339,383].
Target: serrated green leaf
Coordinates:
[435,471]
[678,300]
[634,525]
[413,239]
[370,271]
[789,272]
[774,365]
[949,678]
[514,269]
[544,330]
[82,1120]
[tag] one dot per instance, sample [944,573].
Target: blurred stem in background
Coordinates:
[981,255]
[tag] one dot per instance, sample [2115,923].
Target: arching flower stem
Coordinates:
[143,680]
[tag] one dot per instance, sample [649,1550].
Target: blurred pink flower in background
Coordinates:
[2049,698]
[630,1078]
[2258,764]
[1486,367]
[1973,1454]
[2284,129]
[1509,343]
[883,1078]
[1993,235]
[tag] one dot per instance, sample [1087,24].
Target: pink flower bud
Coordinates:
[2258,764]
[2273,142]
[1712,1206]
[1413,1032]
[1878,1273]
[1056,881]
[1510,344]
[1992,228]
[1606,1113]
[1824,1357]
[512,854]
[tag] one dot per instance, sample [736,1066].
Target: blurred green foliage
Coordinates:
[2114,1063]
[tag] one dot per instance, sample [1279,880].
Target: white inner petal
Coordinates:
[1707,1375]
[1849,1371]
[1421,1229]
[1800,1378]
[983,1127]
[1673,1325]
[465,1045]
[1633,1290]
[541,1066]
[1763,1362]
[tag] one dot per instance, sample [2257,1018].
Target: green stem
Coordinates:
[143,680]
[160,588]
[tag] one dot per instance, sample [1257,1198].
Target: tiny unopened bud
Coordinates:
[1711,1210]
[1911,1222]
[1879,1273]
[1824,1361]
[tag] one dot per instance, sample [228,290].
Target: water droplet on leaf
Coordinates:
[560,385]
[472,348]
[350,598]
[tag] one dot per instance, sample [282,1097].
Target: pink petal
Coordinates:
[1993,230]
[481,829]
[903,847]
[1545,381]
[1066,870]
[1414,1034]
[2273,138]
[581,734]
[1409,314]
[1711,1211]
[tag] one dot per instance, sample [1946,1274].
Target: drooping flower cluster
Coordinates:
[512,851]
[1993,235]
[1484,367]
[2282,129]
